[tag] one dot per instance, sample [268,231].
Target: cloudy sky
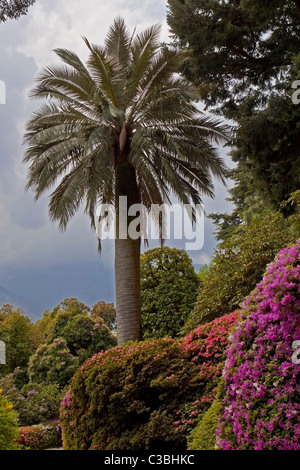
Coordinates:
[37,262]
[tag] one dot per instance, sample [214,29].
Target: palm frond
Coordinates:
[130,84]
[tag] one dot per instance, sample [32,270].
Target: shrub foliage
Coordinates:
[53,363]
[40,436]
[238,265]
[9,431]
[145,395]
[169,290]
[203,437]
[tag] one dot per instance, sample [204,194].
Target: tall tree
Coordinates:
[13,9]
[169,287]
[125,125]
[237,47]
[244,52]
[16,330]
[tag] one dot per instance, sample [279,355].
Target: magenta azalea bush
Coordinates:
[260,399]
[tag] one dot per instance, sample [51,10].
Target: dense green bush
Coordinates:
[260,399]
[53,364]
[238,265]
[203,437]
[128,397]
[169,290]
[9,430]
[84,336]
[16,330]
[145,396]
[42,328]
[40,403]
[34,403]
[106,312]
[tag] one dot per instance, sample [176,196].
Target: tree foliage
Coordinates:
[239,264]
[237,48]
[84,336]
[70,306]
[16,330]
[106,312]
[13,9]
[53,364]
[9,431]
[245,55]
[169,289]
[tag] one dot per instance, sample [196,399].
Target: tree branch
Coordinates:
[13,9]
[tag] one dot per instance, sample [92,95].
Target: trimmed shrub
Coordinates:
[9,431]
[168,290]
[39,437]
[260,400]
[203,437]
[145,396]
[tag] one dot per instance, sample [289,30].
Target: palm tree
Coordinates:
[126,124]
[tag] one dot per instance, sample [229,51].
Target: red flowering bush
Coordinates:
[260,401]
[39,437]
[145,396]
[206,346]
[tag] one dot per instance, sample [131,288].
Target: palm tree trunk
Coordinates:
[127,259]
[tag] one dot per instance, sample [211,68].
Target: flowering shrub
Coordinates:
[84,335]
[9,431]
[53,363]
[34,403]
[39,437]
[205,347]
[261,394]
[145,396]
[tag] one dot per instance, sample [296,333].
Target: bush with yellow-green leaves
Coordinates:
[9,430]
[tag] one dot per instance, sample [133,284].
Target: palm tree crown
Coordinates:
[126,123]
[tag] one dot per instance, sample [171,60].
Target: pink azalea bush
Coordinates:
[260,399]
